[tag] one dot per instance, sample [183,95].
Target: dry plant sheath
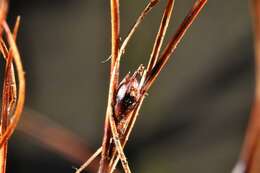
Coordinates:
[11,107]
[126,97]
[250,155]
[21,91]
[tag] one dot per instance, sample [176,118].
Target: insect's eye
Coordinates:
[128,100]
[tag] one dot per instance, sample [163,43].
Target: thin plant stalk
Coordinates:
[112,141]
[8,95]
[3,12]
[139,20]
[5,110]
[250,155]
[114,5]
[21,91]
[175,40]
[82,167]
[153,59]
[161,34]
[167,53]
[128,132]
[145,11]
[133,117]
[255,166]
[118,145]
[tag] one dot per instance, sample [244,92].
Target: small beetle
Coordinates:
[128,94]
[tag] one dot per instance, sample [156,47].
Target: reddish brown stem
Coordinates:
[112,85]
[255,166]
[6,93]
[6,108]
[21,97]
[160,35]
[3,12]
[250,151]
[146,10]
[115,28]
[127,133]
[152,75]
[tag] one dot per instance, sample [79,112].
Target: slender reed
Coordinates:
[250,155]
[12,105]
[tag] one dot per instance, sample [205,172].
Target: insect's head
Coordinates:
[128,93]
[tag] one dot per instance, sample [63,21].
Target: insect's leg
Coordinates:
[160,35]
[189,19]
[118,145]
[84,166]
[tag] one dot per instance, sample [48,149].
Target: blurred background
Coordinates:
[195,116]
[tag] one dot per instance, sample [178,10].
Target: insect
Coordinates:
[125,98]
[128,94]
